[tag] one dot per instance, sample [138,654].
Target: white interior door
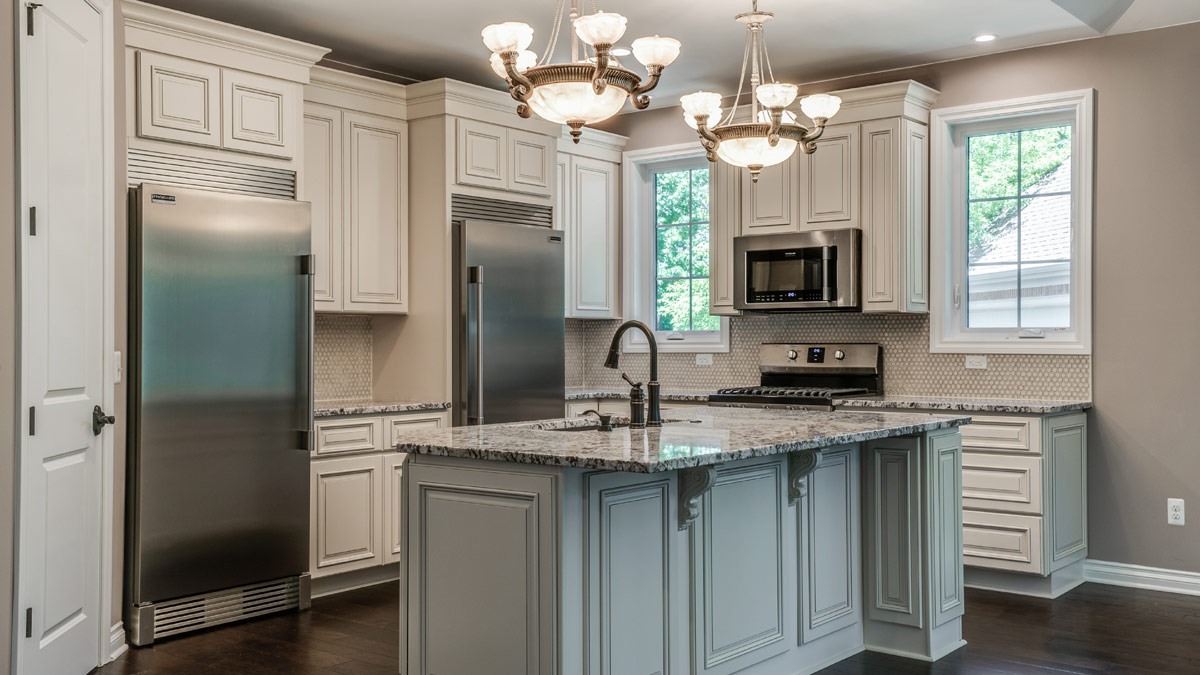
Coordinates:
[65,243]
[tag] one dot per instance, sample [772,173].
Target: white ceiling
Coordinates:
[809,40]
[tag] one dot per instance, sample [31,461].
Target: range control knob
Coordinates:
[839,355]
[793,355]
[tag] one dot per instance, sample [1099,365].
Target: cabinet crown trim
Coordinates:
[906,98]
[353,83]
[444,96]
[594,143]
[187,26]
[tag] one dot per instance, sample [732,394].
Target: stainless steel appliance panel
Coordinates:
[815,270]
[509,307]
[221,385]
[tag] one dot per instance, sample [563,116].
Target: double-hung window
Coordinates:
[1011,226]
[668,252]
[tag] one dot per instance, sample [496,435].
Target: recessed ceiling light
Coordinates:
[986,37]
[620,51]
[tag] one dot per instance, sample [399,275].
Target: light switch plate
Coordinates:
[704,359]
[977,362]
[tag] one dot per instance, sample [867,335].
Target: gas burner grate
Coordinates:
[793,392]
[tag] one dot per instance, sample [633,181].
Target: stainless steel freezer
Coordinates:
[220,408]
[509,337]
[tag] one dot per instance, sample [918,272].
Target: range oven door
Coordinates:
[789,272]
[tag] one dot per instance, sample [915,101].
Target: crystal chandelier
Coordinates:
[772,133]
[586,90]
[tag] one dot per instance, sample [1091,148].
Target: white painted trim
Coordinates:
[116,642]
[836,658]
[1138,576]
[944,338]
[355,579]
[917,656]
[636,299]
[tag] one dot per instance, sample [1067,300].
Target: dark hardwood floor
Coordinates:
[1093,629]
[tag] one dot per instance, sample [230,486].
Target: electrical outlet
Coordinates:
[704,359]
[977,362]
[1175,512]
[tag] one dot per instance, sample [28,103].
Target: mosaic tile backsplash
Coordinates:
[342,358]
[908,367]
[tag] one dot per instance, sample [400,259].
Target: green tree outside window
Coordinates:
[681,251]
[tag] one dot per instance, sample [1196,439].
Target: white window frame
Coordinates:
[639,250]
[948,332]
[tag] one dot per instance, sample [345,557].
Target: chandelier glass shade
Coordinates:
[770,134]
[592,86]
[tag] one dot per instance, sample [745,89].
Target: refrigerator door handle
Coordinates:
[308,269]
[475,280]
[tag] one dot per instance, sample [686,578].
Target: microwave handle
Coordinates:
[828,282]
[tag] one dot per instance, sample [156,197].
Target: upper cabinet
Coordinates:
[870,171]
[355,175]
[589,198]
[214,87]
[500,158]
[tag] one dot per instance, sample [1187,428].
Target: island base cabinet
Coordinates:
[480,593]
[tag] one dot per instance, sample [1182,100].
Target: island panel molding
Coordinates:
[830,575]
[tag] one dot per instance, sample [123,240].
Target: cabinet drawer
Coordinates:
[1002,541]
[396,426]
[1002,482]
[1009,434]
[350,435]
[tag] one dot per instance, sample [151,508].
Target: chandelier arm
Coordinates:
[708,139]
[520,86]
[599,84]
[776,123]
[638,96]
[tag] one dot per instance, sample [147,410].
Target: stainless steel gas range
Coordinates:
[809,376]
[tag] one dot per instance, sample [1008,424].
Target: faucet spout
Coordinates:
[654,414]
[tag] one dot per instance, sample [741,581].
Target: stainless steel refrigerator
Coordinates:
[508,290]
[220,408]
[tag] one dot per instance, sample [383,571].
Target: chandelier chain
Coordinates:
[742,76]
[559,7]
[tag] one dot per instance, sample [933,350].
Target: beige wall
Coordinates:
[1142,440]
[8,351]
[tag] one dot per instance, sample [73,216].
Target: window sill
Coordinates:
[635,343]
[1009,346]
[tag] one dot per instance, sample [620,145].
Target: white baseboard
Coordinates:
[1137,576]
[116,641]
[348,581]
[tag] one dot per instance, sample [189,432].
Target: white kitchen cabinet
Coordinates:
[259,114]
[375,214]
[339,435]
[829,180]
[591,200]
[725,216]
[322,187]
[531,162]
[393,507]
[355,174]
[179,100]
[500,158]
[895,220]
[346,526]
[769,206]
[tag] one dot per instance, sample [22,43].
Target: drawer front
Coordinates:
[1004,434]
[1002,541]
[1002,483]
[396,426]
[352,435]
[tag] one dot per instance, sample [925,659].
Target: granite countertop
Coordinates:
[375,407]
[962,404]
[689,438]
[585,393]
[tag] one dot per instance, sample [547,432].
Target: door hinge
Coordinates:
[28,622]
[32,420]
[29,7]
[308,264]
[33,221]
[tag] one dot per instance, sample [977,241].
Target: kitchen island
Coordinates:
[729,540]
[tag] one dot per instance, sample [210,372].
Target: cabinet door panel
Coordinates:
[532,160]
[375,214]
[725,209]
[393,507]
[346,528]
[260,114]
[178,100]
[321,185]
[482,154]
[593,253]
[829,180]
[769,205]
[831,591]
[881,243]
[915,234]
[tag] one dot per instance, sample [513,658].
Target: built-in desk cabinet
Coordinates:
[870,171]
[355,174]
[355,490]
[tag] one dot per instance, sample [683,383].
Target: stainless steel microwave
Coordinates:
[817,270]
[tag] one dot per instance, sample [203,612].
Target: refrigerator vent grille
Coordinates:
[209,174]
[214,609]
[466,207]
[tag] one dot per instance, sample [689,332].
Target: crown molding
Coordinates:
[341,89]
[905,98]
[149,25]
[594,143]
[451,97]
